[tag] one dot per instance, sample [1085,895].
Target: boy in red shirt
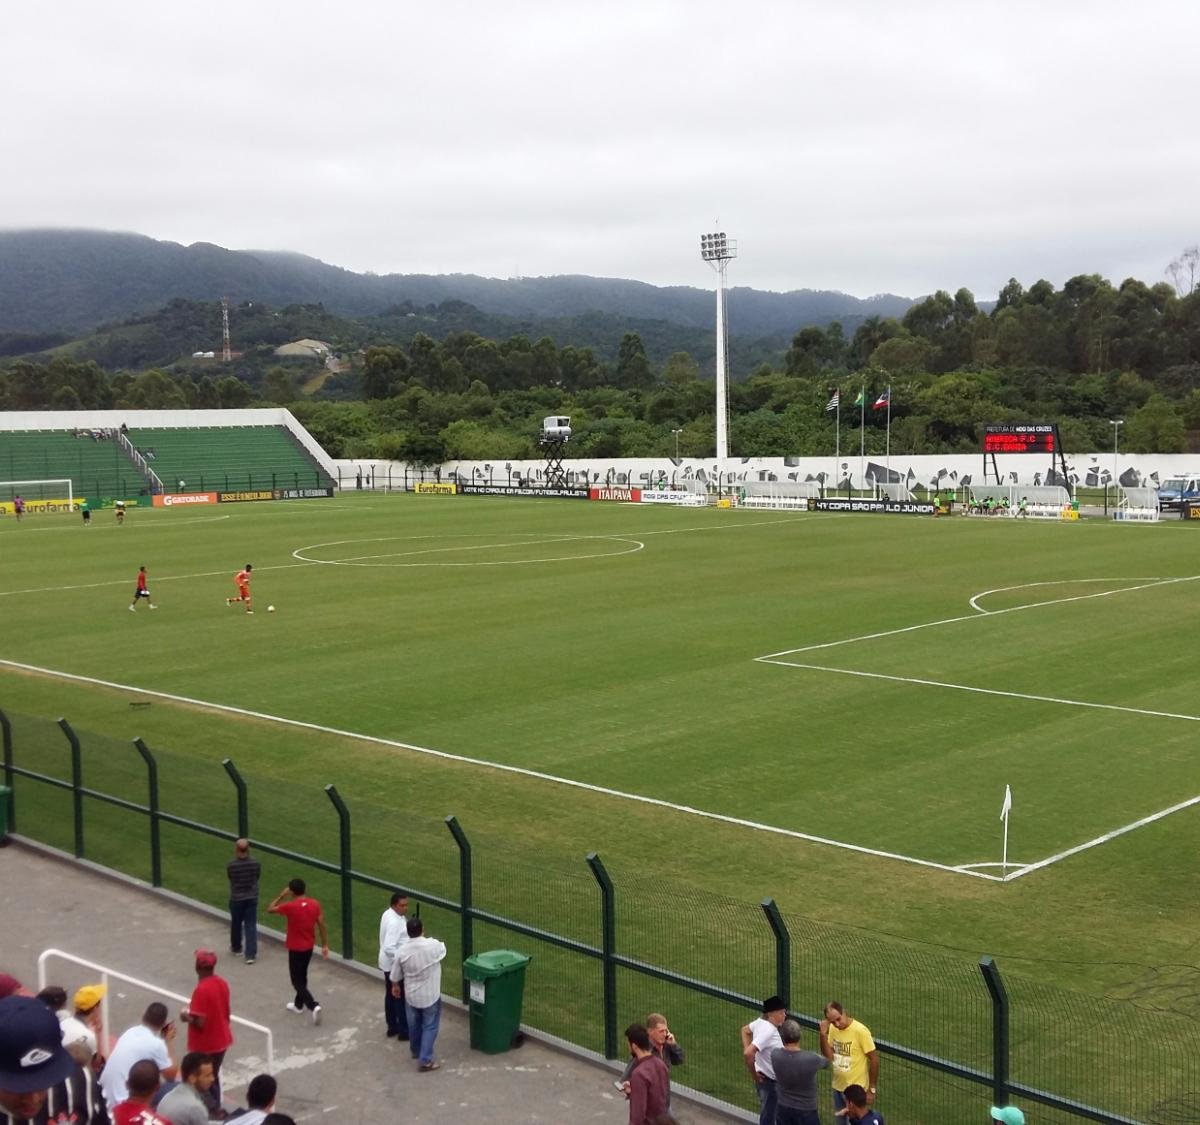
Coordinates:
[141,591]
[304,915]
[242,578]
[207,1018]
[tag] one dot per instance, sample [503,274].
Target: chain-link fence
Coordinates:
[609,947]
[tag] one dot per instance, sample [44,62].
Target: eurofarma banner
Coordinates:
[40,507]
[445,488]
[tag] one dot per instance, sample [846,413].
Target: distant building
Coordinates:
[305,349]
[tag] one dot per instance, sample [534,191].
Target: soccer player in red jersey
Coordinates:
[242,578]
[141,591]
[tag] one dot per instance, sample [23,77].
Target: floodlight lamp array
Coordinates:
[716,247]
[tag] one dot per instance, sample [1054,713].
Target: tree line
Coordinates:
[1080,356]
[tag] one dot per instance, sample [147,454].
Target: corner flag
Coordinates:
[833,403]
[1006,808]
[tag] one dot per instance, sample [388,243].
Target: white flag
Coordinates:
[1006,808]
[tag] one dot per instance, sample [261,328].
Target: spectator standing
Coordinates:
[143,1083]
[184,1104]
[848,1046]
[796,1078]
[857,1107]
[393,934]
[260,1097]
[662,1044]
[1007,1115]
[759,1038]
[244,872]
[419,964]
[32,1057]
[649,1081]
[207,1018]
[153,1039]
[304,916]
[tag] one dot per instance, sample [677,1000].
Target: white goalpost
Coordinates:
[44,495]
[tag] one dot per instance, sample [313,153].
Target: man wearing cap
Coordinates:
[851,1051]
[759,1038]
[32,1057]
[207,1017]
[243,871]
[1007,1115]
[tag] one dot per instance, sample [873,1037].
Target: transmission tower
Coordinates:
[226,348]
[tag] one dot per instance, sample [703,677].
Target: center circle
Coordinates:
[537,548]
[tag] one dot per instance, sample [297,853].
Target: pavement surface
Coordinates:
[344,1070]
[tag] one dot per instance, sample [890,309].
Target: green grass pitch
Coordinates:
[621,647]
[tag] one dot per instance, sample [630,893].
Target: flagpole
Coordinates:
[862,434]
[1004,857]
[1005,810]
[837,441]
[889,433]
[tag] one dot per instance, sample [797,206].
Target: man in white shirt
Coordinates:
[393,933]
[419,965]
[759,1038]
[150,1039]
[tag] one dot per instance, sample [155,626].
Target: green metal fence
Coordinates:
[609,946]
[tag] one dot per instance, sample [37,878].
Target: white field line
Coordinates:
[1025,870]
[982,613]
[971,868]
[520,771]
[634,546]
[155,581]
[114,526]
[982,690]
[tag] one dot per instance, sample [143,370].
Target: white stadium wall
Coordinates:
[1085,470]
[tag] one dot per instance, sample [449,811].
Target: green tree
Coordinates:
[277,386]
[384,370]
[1155,428]
[680,369]
[633,368]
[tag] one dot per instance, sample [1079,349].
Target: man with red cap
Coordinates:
[207,1018]
[32,1057]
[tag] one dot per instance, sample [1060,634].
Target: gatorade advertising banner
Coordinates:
[183,499]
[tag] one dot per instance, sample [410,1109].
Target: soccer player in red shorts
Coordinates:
[242,578]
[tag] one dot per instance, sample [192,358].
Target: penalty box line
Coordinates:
[520,771]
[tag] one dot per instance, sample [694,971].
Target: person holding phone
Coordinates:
[154,1039]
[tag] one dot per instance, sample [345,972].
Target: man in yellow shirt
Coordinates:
[851,1052]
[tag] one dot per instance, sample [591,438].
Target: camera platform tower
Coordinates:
[556,432]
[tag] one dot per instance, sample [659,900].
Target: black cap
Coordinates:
[32,1056]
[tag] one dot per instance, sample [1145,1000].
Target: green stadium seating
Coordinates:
[224,458]
[95,468]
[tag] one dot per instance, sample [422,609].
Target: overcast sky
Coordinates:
[863,146]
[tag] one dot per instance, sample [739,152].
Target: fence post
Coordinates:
[76,784]
[783,950]
[155,838]
[9,776]
[608,922]
[243,813]
[465,895]
[345,865]
[999,994]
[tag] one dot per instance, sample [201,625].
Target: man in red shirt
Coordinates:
[242,578]
[141,591]
[143,1082]
[304,915]
[207,1018]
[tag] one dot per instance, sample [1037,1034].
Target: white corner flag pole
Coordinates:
[1005,809]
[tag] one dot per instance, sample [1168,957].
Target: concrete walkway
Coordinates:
[346,1070]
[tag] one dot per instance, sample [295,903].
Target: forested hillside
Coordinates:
[1080,356]
[71,281]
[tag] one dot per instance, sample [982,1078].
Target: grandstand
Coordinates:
[93,460]
[222,458]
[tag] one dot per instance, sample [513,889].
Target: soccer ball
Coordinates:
[270,609]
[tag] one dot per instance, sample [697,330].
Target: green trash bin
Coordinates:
[497,987]
[5,799]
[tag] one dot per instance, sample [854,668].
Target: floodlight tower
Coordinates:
[717,250]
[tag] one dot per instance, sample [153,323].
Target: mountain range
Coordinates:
[70,281]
